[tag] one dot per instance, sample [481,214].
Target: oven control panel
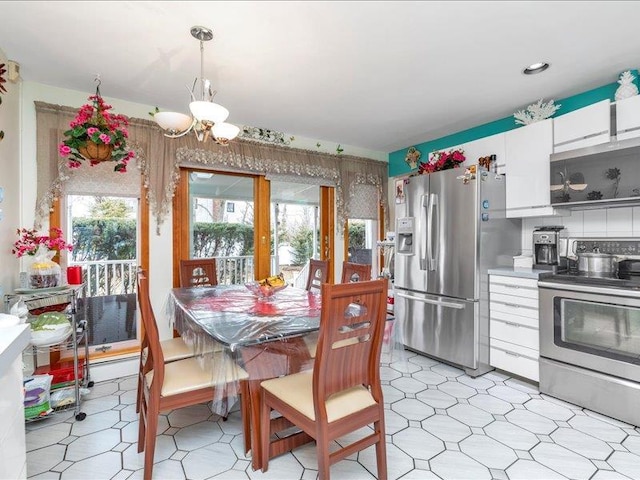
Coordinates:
[619,247]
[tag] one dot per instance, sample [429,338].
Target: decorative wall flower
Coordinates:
[97,135]
[413,157]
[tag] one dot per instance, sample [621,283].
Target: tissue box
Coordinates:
[523,261]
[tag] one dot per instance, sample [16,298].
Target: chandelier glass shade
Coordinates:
[207,118]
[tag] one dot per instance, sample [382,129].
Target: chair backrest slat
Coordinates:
[350,339]
[198,272]
[355,272]
[318,274]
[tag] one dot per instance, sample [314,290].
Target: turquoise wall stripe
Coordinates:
[397,165]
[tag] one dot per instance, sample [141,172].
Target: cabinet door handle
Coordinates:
[513,354]
[512,324]
[515,287]
[512,305]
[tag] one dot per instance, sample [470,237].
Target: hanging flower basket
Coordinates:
[96,135]
[96,152]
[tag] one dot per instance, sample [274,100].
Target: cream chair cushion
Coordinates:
[175,349]
[198,372]
[297,391]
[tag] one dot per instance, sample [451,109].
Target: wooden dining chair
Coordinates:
[168,386]
[198,272]
[318,274]
[342,393]
[172,349]
[355,272]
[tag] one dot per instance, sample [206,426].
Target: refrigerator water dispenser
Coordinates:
[404,236]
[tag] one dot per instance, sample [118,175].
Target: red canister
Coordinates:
[74,275]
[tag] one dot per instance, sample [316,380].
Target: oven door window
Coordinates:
[602,329]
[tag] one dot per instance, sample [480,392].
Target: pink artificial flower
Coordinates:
[92,130]
[106,139]
[64,150]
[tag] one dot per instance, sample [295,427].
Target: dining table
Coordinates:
[267,336]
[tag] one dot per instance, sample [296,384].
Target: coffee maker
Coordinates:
[548,248]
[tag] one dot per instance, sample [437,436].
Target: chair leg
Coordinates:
[265,433]
[322,452]
[140,392]
[150,440]
[245,411]
[142,425]
[381,450]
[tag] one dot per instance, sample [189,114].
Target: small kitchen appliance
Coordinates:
[548,248]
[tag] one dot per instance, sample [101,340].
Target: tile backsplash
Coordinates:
[605,222]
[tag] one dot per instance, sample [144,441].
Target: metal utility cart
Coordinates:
[63,298]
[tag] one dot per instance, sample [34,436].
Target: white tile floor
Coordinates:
[440,424]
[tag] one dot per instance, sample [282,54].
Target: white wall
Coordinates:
[9,182]
[605,222]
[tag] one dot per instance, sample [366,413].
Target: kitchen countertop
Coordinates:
[12,341]
[517,272]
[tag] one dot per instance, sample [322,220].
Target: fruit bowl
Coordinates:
[263,291]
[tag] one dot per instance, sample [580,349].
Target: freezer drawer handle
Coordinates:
[432,302]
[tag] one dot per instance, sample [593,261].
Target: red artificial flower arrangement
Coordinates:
[30,241]
[442,161]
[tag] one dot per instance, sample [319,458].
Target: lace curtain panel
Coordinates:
[159,160]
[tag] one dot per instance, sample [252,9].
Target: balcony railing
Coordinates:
[117,277]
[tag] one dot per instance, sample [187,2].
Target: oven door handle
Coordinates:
[574,287]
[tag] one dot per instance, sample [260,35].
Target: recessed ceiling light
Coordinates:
[536,68]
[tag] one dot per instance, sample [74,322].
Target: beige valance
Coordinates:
[160,158]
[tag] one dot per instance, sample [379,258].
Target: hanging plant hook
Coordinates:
[98,82]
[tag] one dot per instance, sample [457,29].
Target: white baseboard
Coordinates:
[110,370]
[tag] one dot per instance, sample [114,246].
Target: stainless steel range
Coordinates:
[590,331]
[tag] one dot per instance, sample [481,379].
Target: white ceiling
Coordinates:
[377,75]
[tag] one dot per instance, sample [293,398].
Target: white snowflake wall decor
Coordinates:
[536,112]
[627,88]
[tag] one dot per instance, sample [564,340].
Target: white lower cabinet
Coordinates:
[513,326]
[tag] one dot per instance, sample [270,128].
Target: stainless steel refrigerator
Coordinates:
[449,231]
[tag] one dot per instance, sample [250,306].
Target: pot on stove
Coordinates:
[599,264]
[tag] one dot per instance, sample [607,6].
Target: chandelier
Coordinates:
[207,118]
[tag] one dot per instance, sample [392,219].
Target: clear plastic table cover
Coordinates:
[266,337]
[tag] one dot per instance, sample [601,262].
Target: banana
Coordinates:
[273,281]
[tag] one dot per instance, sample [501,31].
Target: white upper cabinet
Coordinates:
[527,151]
[628,118]
[484,147]
[583,127]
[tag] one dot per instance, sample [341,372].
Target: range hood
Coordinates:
[599,176]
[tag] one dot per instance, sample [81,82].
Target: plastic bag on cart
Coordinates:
[63,397]
[37,399]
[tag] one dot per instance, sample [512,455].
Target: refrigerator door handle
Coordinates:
[435,211]
[431,302]
[425,248]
